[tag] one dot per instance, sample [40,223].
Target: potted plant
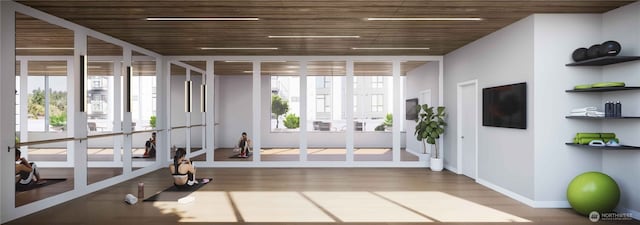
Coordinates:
[430,126]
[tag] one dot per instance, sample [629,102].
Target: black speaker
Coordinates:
[610,48]
[593,52]
[579,54]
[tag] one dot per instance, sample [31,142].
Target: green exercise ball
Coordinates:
[593,191]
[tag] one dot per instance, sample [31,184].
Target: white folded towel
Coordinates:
[588,113]
[585,109]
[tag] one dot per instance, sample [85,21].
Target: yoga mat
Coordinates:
[237,156]
[174,193]
[142,157]
[31,186]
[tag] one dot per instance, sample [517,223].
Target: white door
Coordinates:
[468,110]
[425,97]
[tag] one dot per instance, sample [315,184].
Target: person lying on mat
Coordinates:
[183,171]
[150,147]
[26,172]
[244,144]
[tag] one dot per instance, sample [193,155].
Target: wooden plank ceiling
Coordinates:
[126,20]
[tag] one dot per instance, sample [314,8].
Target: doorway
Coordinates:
[467,134]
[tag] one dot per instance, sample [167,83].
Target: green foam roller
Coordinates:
[608,135]
[588,135]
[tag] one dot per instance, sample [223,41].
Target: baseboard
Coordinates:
[523,199]
[452,169]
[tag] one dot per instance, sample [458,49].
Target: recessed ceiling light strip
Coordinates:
[390,48]
[314,36]
[202,18]
[206,48]
[423,19]
[44,48]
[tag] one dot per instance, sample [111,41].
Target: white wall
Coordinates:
[234,103]
[424,77]
[555,38]
[179,117]
[623,25]
[503,57]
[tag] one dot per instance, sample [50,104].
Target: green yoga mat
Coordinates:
[608,84]
[582,86]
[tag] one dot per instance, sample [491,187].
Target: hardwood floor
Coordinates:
[309,196]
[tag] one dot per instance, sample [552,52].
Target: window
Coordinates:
[285,106]
[377,103]
[355,83]
[377,82]
[322,104]
[323,82]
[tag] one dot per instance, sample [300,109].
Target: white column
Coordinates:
[255,136]
[303,111]
[117,108]
[396,110]
[71,108]
[162,90]
[210,114]
[167,107]
[441,102]
[78,126]
[47,101]
[7,97]
[24,104]
[349,111]
[126,116]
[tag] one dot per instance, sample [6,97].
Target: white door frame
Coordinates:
[459,124]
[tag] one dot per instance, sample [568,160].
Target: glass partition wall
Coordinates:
[233,96]
[326,114]
[280,111]
[373,111]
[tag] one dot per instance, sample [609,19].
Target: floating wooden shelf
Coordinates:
[605,89]
[621,147]
[602,118]
[603,61]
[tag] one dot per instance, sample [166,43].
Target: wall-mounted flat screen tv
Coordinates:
[411,109]
[505,106]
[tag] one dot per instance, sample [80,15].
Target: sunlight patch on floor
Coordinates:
[280,151]
[448,208]
[372,151]
[328,151]
[277,207]
[363,207]
[207,207]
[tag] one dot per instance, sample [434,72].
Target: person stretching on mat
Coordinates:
[26,172]
[244,144]
[183,171]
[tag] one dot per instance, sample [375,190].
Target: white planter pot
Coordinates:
[437,164]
